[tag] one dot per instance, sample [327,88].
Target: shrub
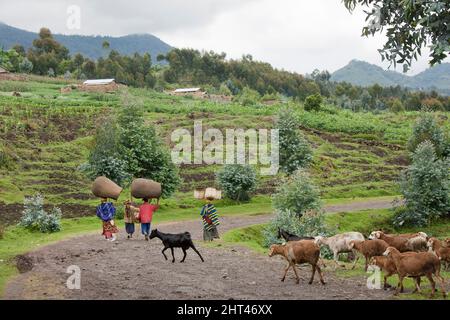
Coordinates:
[426,128]
[34,217]
[397,106]
[310,224]
[297,194]
[425,186]
[313,102]
[248,97]
[237,181]
[2,231]
[120,213]
[294,149]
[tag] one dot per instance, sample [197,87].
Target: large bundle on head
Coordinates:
[105,188]
[145,188]
[213,194]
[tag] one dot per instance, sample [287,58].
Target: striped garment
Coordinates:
[209,212]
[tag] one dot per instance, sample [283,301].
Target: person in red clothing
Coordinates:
[145,216]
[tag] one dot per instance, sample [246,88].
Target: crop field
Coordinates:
[45,136]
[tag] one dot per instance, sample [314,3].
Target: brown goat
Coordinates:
[442,251]
[297,252]
[369,248]
[416,264]
[388,266]
[402,244]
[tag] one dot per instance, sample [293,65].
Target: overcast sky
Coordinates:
[296,35]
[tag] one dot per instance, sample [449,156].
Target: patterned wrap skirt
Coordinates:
[109,229]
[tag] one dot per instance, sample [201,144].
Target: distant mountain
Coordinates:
[366,74]
[90,46]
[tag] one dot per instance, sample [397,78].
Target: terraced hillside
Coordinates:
[45,136]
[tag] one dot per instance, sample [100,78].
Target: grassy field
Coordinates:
[46,135]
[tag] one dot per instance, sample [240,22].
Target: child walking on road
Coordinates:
[146,211]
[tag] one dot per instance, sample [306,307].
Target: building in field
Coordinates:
[3,71]
[100,85]
[196,92]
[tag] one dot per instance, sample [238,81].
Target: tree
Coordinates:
[46,53]
[126,148]
[237,181]
[25,66]
[298,208]
[425,186]
[297,194]
[397,105]
[410,25]
[144,151]
[427,129]
[295,152]
[313,102]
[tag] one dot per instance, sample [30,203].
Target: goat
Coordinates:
[402,244]
[388,266]
[180,240]
[410,235]
[340,243]
[442,251]
[291,237]
[416,264]
[369,248]
[297,252]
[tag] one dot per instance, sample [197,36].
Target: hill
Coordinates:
[366,74]
[90,46]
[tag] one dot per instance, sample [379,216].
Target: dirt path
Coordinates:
[136,269]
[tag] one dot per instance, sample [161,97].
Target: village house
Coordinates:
[195,92]
[3,71]
[99,85]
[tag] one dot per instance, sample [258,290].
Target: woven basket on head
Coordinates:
[145,188]
[105,188]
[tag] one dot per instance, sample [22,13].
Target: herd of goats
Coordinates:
[411,255]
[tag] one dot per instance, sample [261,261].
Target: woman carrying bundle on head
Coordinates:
[106,212]
[210,221]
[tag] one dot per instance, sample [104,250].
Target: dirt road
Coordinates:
[136,269]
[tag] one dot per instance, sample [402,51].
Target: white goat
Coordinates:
[340,243]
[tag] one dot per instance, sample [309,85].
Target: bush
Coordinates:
[34,216]
[426,128]
[120,213]
[297,194]
[313,102]
[237,181]
[425,186]
[248,97]
[295,152]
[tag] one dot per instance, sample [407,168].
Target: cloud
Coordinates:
[296,35]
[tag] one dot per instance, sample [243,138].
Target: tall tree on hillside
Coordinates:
[295,152]
[46,53]
[410,26]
